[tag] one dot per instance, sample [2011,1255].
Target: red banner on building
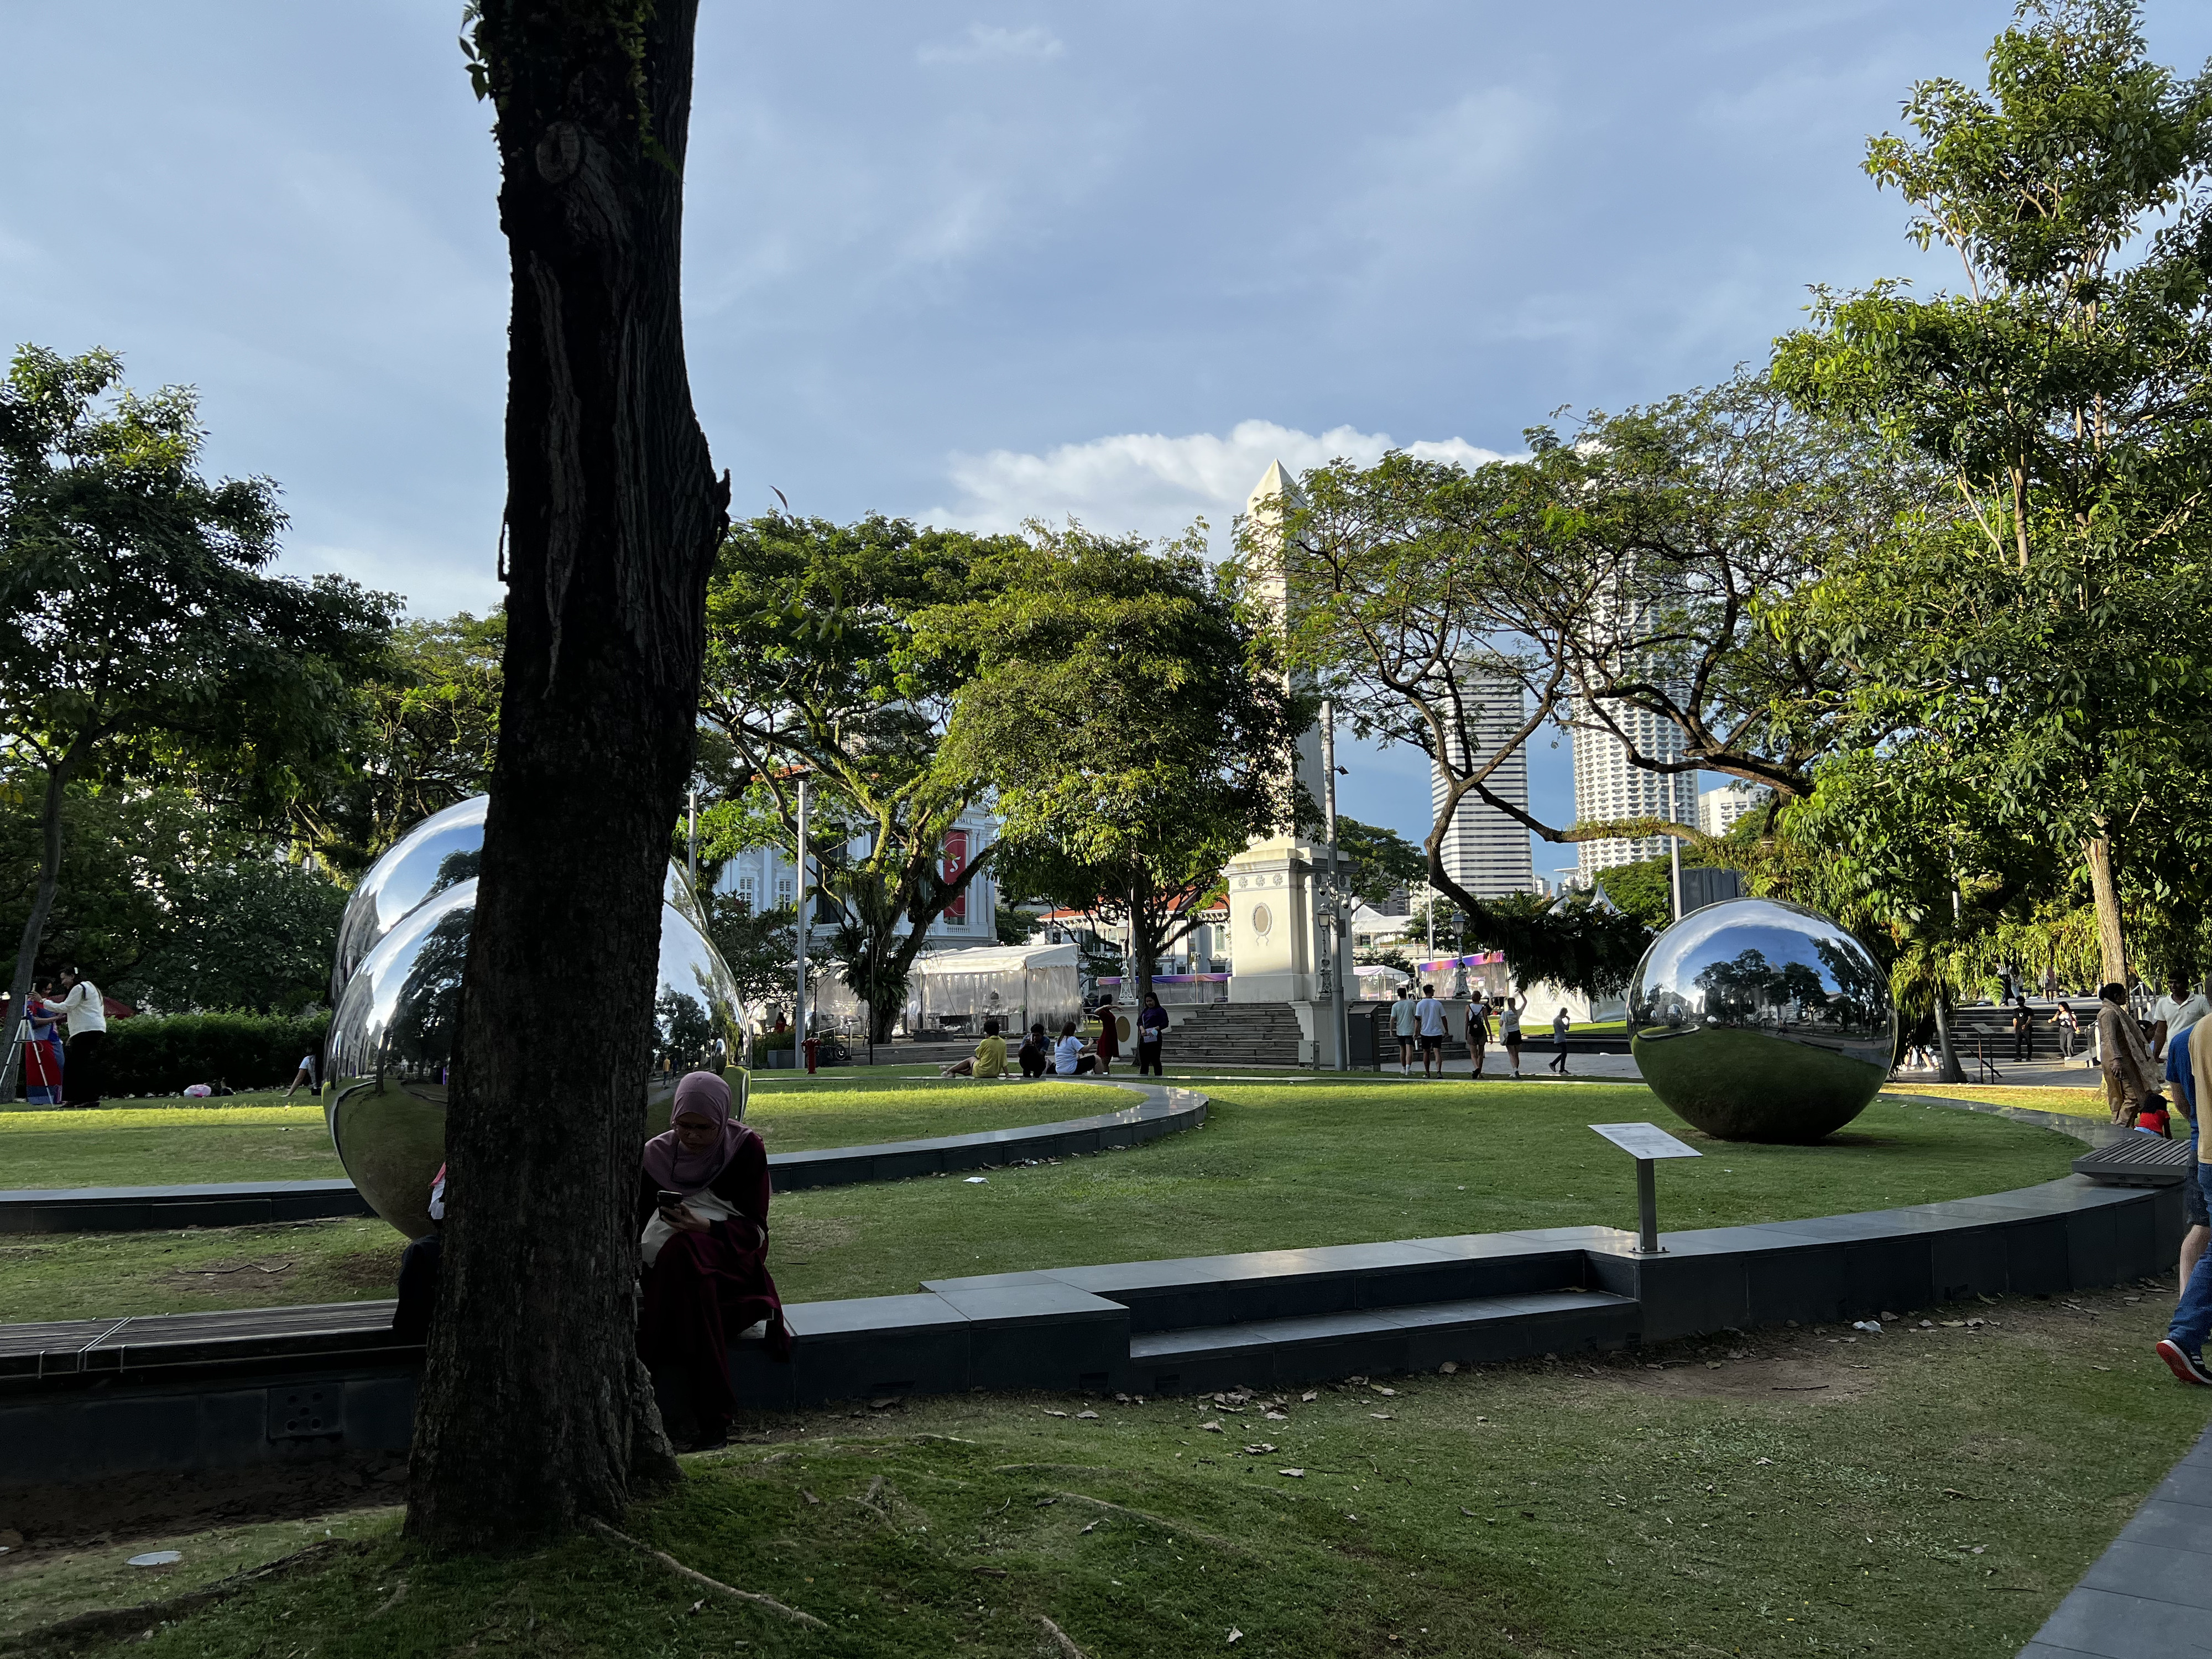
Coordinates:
[956,862]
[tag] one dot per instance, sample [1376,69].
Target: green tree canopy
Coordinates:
[1126,709]
[142,637]
[2037,645]
[812,668]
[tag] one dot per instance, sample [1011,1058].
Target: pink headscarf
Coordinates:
[667,1164]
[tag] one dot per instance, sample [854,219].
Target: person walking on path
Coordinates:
[1478,1031]
[306,1074]
[2181,1090]
[2023,1029]
[2182,1347]
[2120,1049]
[1509,1029]
[1407,1024]
[1435,1028]
[1106,1045]
[87,1035]
[2070,1027]
[1152,1034]
[2174,1012]
[1561,1026]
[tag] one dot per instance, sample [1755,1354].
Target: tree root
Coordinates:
[1160,1521]
[715,1584]
[129,1621]
[1060,1639]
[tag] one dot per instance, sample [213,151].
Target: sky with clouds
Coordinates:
[975,265]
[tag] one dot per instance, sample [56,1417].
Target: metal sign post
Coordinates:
[1646,1143]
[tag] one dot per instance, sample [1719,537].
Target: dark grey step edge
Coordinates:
[1163,1110]
[1071,1328]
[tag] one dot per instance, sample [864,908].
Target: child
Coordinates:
[2151,1118]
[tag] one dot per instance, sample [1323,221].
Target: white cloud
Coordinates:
[1153,484]
[987,42]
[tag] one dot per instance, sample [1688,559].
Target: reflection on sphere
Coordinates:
[393,1039]
[1760,1020]
[435,856]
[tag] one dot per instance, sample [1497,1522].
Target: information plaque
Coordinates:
[1644,1141]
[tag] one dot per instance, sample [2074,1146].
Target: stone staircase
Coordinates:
[1219,1034]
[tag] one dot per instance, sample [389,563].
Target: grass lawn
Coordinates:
[1277,1165]
[1928,1494]
[2073,1102]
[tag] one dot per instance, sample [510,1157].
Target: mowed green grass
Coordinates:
[1924,1495]
[179,1142]
[1278,1165]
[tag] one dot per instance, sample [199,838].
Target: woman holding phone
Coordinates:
[702,1202]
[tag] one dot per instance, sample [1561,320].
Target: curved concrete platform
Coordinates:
[83,1400]
[1160,1110]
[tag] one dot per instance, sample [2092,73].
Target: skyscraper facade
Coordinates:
[1484,850]
[1606,786]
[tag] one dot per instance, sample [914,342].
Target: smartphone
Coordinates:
[668,1200]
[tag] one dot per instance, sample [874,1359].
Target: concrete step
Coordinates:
[1377,1341]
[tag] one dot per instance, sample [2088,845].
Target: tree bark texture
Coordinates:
[535,1414]
[2104,889]
[35,925]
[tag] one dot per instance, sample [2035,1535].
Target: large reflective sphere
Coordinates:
[1758,1020]
[434,857]
[392,1042]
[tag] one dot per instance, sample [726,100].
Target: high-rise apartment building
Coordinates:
[1485,850]
[1606,786]
[1718,809]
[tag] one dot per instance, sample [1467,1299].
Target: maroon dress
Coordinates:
[706,1287]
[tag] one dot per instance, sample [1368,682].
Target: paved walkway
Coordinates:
[2150,1596]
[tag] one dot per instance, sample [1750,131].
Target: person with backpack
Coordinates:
[1478,1031]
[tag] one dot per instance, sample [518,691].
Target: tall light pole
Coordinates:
[691,838]
[798,932]
[1339,1015]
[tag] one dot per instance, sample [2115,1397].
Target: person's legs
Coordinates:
[1513,1054]
[957,1069]
[1477,1051]
[418,1290]
[80,1077]
[681,1329]
[2197,1224]
[2116,1096]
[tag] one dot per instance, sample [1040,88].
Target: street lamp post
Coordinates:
[1334,908]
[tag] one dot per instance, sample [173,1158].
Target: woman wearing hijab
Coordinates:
[702,1201]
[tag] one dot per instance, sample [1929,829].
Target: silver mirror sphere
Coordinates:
[437,855]
[1758,1020]
[391,1043]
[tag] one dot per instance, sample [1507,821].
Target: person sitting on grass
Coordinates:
[1069,1059]
[1036,1052]
[703,1200]
[2150,1118]
[989,1058]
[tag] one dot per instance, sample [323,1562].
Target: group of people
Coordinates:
[1424,1026]
[55,1073]
[702,1215]
[1068,1054]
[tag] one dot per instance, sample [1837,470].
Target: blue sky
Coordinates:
[971,265]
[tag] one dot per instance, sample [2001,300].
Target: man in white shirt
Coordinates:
[87,1035]
[1434,1029]
[2177,1010]
[1407,1027]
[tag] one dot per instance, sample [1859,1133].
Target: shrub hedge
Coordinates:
[160,1054]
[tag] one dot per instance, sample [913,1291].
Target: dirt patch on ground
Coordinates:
[117,1508]
[1807,1379]
[364,1270]
[798,1238]
[230,1277]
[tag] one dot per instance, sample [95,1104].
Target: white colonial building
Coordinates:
[766,880]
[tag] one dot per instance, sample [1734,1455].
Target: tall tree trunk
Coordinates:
[35,925]
[2112,942]
[534,1413]
[1949,1071]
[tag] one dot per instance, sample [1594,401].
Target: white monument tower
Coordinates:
[1285,950]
